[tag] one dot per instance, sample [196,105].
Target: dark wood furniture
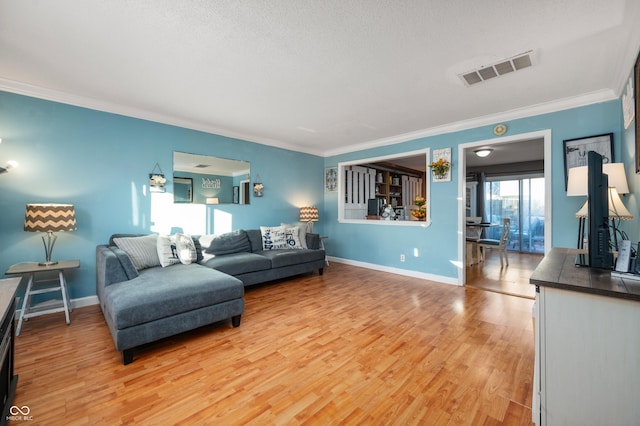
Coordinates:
[8,380]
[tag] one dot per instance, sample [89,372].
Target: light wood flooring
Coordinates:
[353,346]
[512,279]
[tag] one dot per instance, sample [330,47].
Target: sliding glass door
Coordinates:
[520,199]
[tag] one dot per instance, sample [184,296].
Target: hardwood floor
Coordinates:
[512,279]
[353,346]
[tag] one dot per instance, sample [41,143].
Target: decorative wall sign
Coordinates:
[211,183]
[331,179]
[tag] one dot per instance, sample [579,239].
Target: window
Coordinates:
[367,186]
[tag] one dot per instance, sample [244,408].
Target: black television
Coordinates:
[598,187]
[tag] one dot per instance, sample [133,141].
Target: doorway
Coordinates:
[528,223]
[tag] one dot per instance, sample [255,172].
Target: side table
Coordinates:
[30,269]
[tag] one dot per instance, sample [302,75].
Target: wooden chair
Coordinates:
[501,244]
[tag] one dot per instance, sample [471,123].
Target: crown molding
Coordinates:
[119,109]
[113,108]
[530,111]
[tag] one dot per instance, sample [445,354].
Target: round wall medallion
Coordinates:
[500,130]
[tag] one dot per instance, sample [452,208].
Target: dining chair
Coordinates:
[501,244]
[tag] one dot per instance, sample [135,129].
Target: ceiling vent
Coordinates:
[498,69]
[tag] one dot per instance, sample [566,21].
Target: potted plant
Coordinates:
[440,167]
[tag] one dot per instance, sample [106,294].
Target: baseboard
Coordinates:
[84,301]
[75,303]
[397,271]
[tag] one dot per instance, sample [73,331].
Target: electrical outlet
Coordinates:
[402,258]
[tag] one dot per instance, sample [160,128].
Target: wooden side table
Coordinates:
[30,269]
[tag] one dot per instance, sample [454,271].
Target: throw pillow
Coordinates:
[143,250]
[231,242]
[186,249]
[167,251]
[273,237]
[302,228]
[292,236]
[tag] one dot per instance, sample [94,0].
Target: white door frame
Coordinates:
[462,183]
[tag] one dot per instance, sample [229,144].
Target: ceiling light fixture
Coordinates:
[483,152]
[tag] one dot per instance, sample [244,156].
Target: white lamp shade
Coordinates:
[617,210]
[577,184]
[577,181]
[617,177]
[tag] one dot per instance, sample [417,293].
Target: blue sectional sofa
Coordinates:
[142,304]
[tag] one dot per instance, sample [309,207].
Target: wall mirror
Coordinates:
[213,180]
[383,190]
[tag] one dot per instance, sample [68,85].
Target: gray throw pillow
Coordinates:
[231,242]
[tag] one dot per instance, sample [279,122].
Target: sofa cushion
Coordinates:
[280,258]
[125,261]
[238,263]
[255,238]
[231,242]
[143,250]
[163,292]
[186,249]
[273,237]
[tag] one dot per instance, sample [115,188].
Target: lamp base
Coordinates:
[48,263]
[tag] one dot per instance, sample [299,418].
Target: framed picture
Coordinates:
[236,195]
[575,151]
[182,190]
[636,91]
[331,179]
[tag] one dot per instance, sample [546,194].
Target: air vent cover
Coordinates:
[498,69]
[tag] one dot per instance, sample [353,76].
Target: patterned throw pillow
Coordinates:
[292,236]
[167,251]
[302,228]
[273,238]
[186,249]
[143,250]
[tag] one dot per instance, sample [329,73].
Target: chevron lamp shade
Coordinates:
[50,218]
[309,215]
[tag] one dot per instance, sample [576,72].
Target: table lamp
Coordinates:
[309,215]
[577,186]
[49,218]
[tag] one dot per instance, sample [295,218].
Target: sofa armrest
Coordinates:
[313,241]
[112,266]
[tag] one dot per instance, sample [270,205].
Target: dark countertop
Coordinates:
[558,270]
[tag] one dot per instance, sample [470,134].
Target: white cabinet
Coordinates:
[588,356]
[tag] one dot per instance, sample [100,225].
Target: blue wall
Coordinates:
[436,245]
[101,162]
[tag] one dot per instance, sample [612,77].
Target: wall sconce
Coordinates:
[10,165]
[258,187]
[156,179]
[212,200]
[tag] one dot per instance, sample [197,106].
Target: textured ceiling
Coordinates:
[317,76]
